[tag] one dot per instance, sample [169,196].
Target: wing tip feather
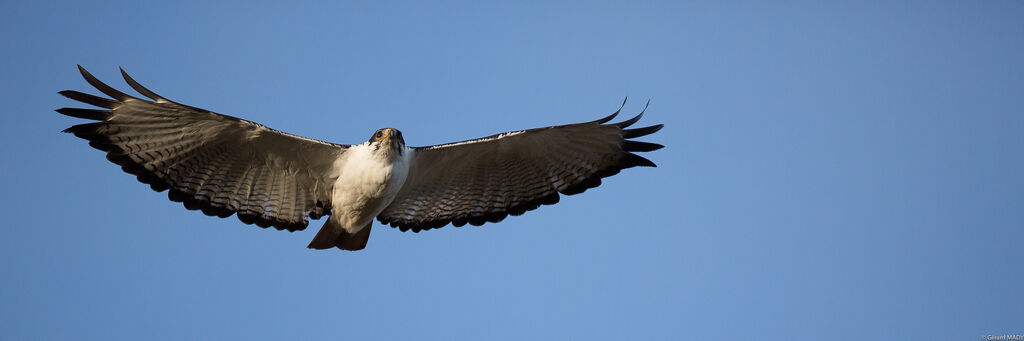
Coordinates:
[103,87]
[89,114]
[612,116]
[138,87]
[633,160]
[643,131]
[638,146]
[88,99]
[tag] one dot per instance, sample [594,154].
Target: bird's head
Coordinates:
[388,140]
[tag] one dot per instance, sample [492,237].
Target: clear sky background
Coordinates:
[831,171]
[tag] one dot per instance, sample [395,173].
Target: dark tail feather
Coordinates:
[357,241]
[333,235]
[325,239]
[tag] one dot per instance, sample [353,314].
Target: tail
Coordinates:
[333,235]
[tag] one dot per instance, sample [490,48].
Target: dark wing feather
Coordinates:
[216,163]
[487,179]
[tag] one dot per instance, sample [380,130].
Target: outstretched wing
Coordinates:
[211,162]
[487,179]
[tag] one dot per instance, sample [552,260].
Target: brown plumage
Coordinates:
[224,165]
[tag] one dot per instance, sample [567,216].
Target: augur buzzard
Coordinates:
[224,165]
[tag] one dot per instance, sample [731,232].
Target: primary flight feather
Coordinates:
[224,165]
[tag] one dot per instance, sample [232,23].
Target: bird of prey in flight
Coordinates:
[223,165]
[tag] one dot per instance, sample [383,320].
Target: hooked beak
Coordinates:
[387,135]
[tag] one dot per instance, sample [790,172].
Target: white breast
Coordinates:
[367,182]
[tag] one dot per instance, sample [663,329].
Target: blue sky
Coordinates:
[831,171]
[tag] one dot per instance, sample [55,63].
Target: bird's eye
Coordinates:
[378,135]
